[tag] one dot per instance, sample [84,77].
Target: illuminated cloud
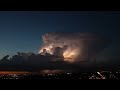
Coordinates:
[73,46]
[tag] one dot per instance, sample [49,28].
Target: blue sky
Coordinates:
[21,31]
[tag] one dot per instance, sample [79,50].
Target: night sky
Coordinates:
[21,31]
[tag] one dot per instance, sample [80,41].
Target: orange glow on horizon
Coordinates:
[14,72]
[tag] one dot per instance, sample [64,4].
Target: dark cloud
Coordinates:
[35,63]
[87,45]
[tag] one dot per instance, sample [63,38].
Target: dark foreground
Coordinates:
[64,76]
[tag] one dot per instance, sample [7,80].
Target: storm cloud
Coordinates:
[78,46]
